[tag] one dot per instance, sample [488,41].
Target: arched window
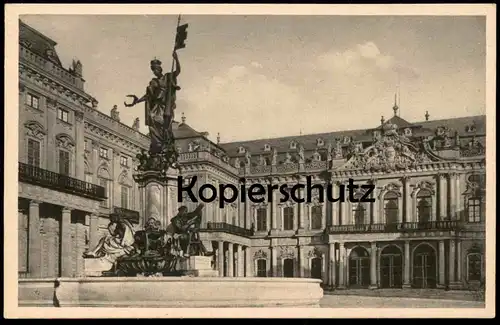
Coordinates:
[391,207]
[474,267]
[424,206]
[359,213]
[261,219]
[316,217]
[288,218]
[261,268]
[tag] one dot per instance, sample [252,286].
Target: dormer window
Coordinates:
[408,132]
[346,139]
[293,145]
[241,150]
[320,142]
[470,128]
[376,134]
[267,147]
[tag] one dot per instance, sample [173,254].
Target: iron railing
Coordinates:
[45,178]
[226,227]
[132,215]
[395,227]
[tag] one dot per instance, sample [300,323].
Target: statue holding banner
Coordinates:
[160,103]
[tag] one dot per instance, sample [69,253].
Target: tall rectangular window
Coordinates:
[104,153]
[124,197]
[316,217]
[261,268]
[63,162]
[32,101]
[261,219]
[63,115]
[474,210]
[288,218]
[104,183]
[124,161]
[33,153]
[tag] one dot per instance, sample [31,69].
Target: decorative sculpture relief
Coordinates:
[286,252]
[315,252]
[392,152]
[65,141]
[35,130]
[260,254]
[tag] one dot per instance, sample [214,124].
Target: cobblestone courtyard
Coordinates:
[346,301]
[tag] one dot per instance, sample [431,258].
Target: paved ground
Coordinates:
[348,301]
[468,295]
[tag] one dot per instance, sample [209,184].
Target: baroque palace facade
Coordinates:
[425,229]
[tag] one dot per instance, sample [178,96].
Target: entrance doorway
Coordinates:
[391,267]
[359,268]
[316,268]
[288,268]
[424,267]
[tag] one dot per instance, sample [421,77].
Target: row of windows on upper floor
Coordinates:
[63,115]
[64,162]
[361,217]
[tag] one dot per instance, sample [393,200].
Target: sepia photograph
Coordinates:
[328,162]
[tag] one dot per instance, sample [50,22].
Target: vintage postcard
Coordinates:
[250,161]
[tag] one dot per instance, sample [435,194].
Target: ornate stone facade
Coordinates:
[429,179]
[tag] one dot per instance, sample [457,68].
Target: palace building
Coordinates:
[425,229]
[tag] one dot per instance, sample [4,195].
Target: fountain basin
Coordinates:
[170,292]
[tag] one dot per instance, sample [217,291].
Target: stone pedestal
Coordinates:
[95,266]
[199,266]
[158,195]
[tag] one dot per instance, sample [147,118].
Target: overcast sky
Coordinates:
[253,77]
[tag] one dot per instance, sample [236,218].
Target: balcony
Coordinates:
[226,227]
[395,227]
[131,215]
[58,182]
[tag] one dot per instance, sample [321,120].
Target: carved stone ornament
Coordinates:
[260,254]
[315,252]
[424,185]
[390,153]
[35,130]
[473,148]
[78,116]
[65,141]
[286,252]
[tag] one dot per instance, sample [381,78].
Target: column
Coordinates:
[220,258]
[373,265]
[274,261]
[331,265]
[239,252]
[451,262]
[406,275]
[248,263]
[335,205]
[302,264]
[93,231]
[79,148]
[34,242]
[443,213]
[374,206]
[342,256]
[407,200]
[452,196]
[66,251]
[230,260]
[459,261]
[248,217]
[300,208]
[274,207]
[442,265]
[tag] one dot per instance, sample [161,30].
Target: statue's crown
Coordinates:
[155,62]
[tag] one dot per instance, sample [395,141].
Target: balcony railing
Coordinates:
[132,215]
[226,227]
[46,178]
[394,227]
